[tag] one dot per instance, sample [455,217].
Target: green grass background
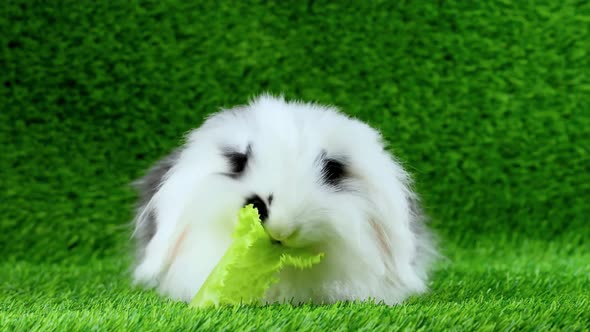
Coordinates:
[487,103]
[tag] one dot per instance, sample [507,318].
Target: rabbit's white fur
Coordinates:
[366,221]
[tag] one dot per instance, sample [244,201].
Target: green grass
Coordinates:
[535,286]
[487,103]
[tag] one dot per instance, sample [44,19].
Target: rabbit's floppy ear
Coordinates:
[167,190]
[396,222]
[151,235]
[146,187]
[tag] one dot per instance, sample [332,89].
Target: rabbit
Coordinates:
[318,178]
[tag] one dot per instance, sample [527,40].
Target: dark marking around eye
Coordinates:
[333,169]
[237,161]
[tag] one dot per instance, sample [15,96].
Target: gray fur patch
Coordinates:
[426,248]
[416,208]
[146,187]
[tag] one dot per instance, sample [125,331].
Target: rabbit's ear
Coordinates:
[147,186]
[166,191]
[396,222]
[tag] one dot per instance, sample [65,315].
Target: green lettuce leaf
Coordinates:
[250,265]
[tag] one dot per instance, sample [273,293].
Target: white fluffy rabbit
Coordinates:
[317,177]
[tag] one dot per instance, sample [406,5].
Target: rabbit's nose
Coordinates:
[260,205]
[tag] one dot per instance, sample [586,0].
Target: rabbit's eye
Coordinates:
[237,162]
[333,171]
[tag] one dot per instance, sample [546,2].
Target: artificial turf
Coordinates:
[487,104]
